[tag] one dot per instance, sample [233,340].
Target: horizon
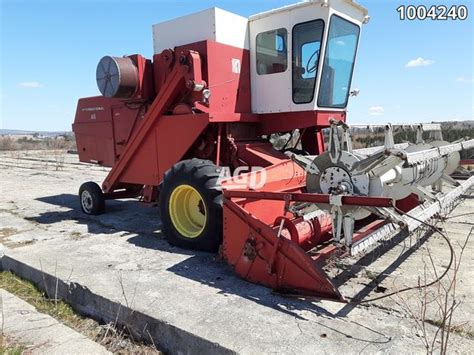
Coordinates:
[356,125]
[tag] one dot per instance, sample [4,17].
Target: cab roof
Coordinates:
[305,4]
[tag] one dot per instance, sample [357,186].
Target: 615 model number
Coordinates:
[438,12]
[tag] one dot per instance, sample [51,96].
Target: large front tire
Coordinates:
[190,205]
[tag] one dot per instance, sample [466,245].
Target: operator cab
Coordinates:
[302,56]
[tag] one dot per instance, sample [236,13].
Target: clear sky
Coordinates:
[407,71]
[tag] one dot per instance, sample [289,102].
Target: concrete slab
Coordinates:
[116,267]
[39,333]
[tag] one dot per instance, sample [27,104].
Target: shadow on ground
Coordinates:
[142,223]
[350,272]
[128,216]
[143,226]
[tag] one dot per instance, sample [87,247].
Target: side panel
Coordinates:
[95,143]
[228,71]
[124,121]
[283,122]
[231,29]
[192,28]
[162,147]
[270,92]
[102,127]
[93,130]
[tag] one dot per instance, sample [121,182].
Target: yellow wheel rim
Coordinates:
[187,211]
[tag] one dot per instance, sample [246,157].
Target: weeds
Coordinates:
[28,292]
[432,309]
[35,142]
[108,335]
[11,349]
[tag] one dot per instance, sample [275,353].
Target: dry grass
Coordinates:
[436,305]
[62,142]
[109,336]
[28,292]
[11,349]
[459,329]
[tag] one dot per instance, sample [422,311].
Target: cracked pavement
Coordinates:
[120,256]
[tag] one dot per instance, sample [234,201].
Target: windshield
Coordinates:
[338,63]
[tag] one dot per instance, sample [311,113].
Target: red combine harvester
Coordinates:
[179,128]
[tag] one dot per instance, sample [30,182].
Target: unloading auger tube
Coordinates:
[392,171]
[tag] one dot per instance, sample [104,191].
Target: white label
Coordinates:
[99,108]
[235,66]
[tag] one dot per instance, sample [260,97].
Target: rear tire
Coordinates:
[190,204]
[91,198]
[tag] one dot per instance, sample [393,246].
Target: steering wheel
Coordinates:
[315,66]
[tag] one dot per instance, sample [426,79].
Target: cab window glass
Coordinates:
[307,39]
[271,50]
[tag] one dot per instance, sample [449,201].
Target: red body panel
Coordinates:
[94,130]
[284,122]
[230,92]
[256,254]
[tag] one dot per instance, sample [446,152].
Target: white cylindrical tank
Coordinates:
[397,182]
